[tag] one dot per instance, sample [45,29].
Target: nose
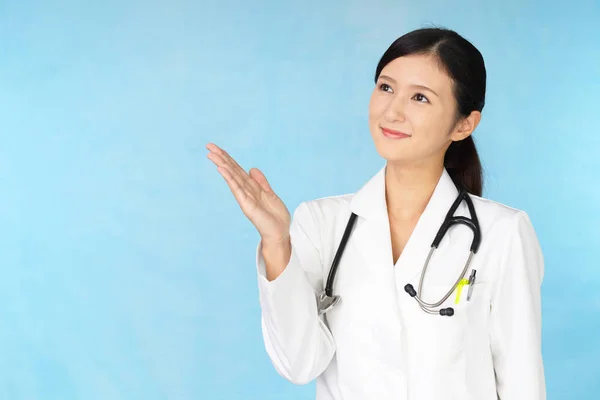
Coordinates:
[395,110]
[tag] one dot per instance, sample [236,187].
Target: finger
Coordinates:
[216,159]
[221,162]
[238,191]
[223,156]
[237,167]
[213,147]
[237,172]
[259,177]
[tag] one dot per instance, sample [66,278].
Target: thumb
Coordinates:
[259,177]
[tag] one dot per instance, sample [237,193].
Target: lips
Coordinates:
[390,133]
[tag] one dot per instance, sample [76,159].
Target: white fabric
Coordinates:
[377,343]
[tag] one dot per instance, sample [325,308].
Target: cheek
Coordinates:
[430,126]
[376,108]
[372,115]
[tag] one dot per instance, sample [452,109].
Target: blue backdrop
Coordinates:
[127,268]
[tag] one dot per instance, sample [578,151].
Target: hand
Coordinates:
[255,196]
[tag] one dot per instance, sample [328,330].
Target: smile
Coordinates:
[394,134]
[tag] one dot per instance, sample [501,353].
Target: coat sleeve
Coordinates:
[297,340]
[516,325]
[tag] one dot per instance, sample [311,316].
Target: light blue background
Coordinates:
[127,269]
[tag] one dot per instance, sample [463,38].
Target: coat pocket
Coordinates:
[442,340]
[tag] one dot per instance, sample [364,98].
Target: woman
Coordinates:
[378,342]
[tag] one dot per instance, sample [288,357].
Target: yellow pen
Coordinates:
[459,288]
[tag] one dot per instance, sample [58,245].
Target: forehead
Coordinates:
[421,69]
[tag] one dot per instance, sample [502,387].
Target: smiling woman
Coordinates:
[430,86]
[377,342]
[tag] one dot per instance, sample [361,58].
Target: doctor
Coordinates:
[456,320]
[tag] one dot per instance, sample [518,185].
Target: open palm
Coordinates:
[256,198]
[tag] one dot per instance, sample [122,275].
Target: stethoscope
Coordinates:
[328,300]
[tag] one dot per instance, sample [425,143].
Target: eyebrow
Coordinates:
[389,78]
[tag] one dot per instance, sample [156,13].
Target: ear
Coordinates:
[465,126]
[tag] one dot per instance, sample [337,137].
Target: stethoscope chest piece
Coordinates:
[326,303]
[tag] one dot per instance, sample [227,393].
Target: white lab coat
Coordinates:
[377,343]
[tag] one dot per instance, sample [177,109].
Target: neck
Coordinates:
[409,188]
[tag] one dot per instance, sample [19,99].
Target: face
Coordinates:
[413,112]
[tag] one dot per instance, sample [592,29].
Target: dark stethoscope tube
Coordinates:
[449,220]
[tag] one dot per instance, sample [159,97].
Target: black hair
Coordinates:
[465,66]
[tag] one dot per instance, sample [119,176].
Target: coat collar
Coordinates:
[369,201]
[372,233]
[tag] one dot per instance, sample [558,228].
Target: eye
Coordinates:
[386,88]
[420,97]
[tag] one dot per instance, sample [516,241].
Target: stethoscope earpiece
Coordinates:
[410,290]
[447,312]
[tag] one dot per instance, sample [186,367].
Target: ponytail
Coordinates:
[464,167]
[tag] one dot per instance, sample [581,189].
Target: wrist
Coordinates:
[276,254]
[275,242]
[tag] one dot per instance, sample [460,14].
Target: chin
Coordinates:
[392,155]
[392,151]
